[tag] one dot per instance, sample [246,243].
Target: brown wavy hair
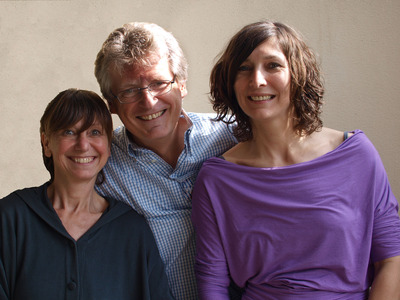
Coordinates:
[307,87]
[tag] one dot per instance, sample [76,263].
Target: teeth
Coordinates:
[84,160]
[152,116]
[261,98]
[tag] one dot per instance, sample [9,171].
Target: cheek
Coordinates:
[241,83]
[236,88]
[239,89]
[103,145]
[58,148]
[174,101]
[287,81]
[282,84]
[126,112]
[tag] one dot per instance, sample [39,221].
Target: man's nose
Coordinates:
[147,98]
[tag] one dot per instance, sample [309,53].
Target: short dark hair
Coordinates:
[68,108]
[306,81]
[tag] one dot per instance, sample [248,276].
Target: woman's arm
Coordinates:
[4,286]
[385,250]
[211,266]
[157,279]
[386,284]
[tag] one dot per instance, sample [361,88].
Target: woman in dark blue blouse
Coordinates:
[62,240]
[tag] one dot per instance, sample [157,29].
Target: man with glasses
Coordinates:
[156,155]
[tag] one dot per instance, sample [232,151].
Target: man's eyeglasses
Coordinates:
[155,89]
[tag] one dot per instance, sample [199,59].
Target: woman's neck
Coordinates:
[73,197]
[79,207]
[276,148]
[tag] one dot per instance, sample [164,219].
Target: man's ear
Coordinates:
[45,143]
[112,107]
[182,88]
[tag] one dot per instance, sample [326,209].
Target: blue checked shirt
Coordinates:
[162,194]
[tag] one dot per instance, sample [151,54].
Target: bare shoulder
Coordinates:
[234,153]
[326,140]
[349,133]
[241,155]
[336,136]
[333,136]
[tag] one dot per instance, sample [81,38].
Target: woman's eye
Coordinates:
[96,132]
[244,68]
[68,132]
[273,65]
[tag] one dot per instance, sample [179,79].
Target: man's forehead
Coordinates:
[148,64]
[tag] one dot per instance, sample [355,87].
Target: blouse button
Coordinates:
[71,286]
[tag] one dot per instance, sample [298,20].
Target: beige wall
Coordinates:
[49,46]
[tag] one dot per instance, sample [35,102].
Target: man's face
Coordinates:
[149,119]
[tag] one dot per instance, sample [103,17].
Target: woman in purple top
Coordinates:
[295,210]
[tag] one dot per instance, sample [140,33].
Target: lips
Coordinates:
[152,116]
[261,98]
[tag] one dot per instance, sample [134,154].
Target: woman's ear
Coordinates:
[45,144]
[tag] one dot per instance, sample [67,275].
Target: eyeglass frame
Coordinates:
[148,88]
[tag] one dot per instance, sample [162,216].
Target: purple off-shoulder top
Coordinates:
[307,231]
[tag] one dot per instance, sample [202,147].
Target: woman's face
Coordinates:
[262,84]
[77,156]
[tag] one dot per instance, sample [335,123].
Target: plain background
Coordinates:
[49,46]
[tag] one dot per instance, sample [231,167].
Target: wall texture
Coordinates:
[49,46]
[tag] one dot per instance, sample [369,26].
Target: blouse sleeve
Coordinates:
[157,278]
[210,265]
[4,282]
[7,247]
[386,228]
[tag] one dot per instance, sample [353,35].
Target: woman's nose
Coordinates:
[82,142]
[258,78]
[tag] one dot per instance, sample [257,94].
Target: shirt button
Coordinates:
[71,286]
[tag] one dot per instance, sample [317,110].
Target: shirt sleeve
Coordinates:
[210,264]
